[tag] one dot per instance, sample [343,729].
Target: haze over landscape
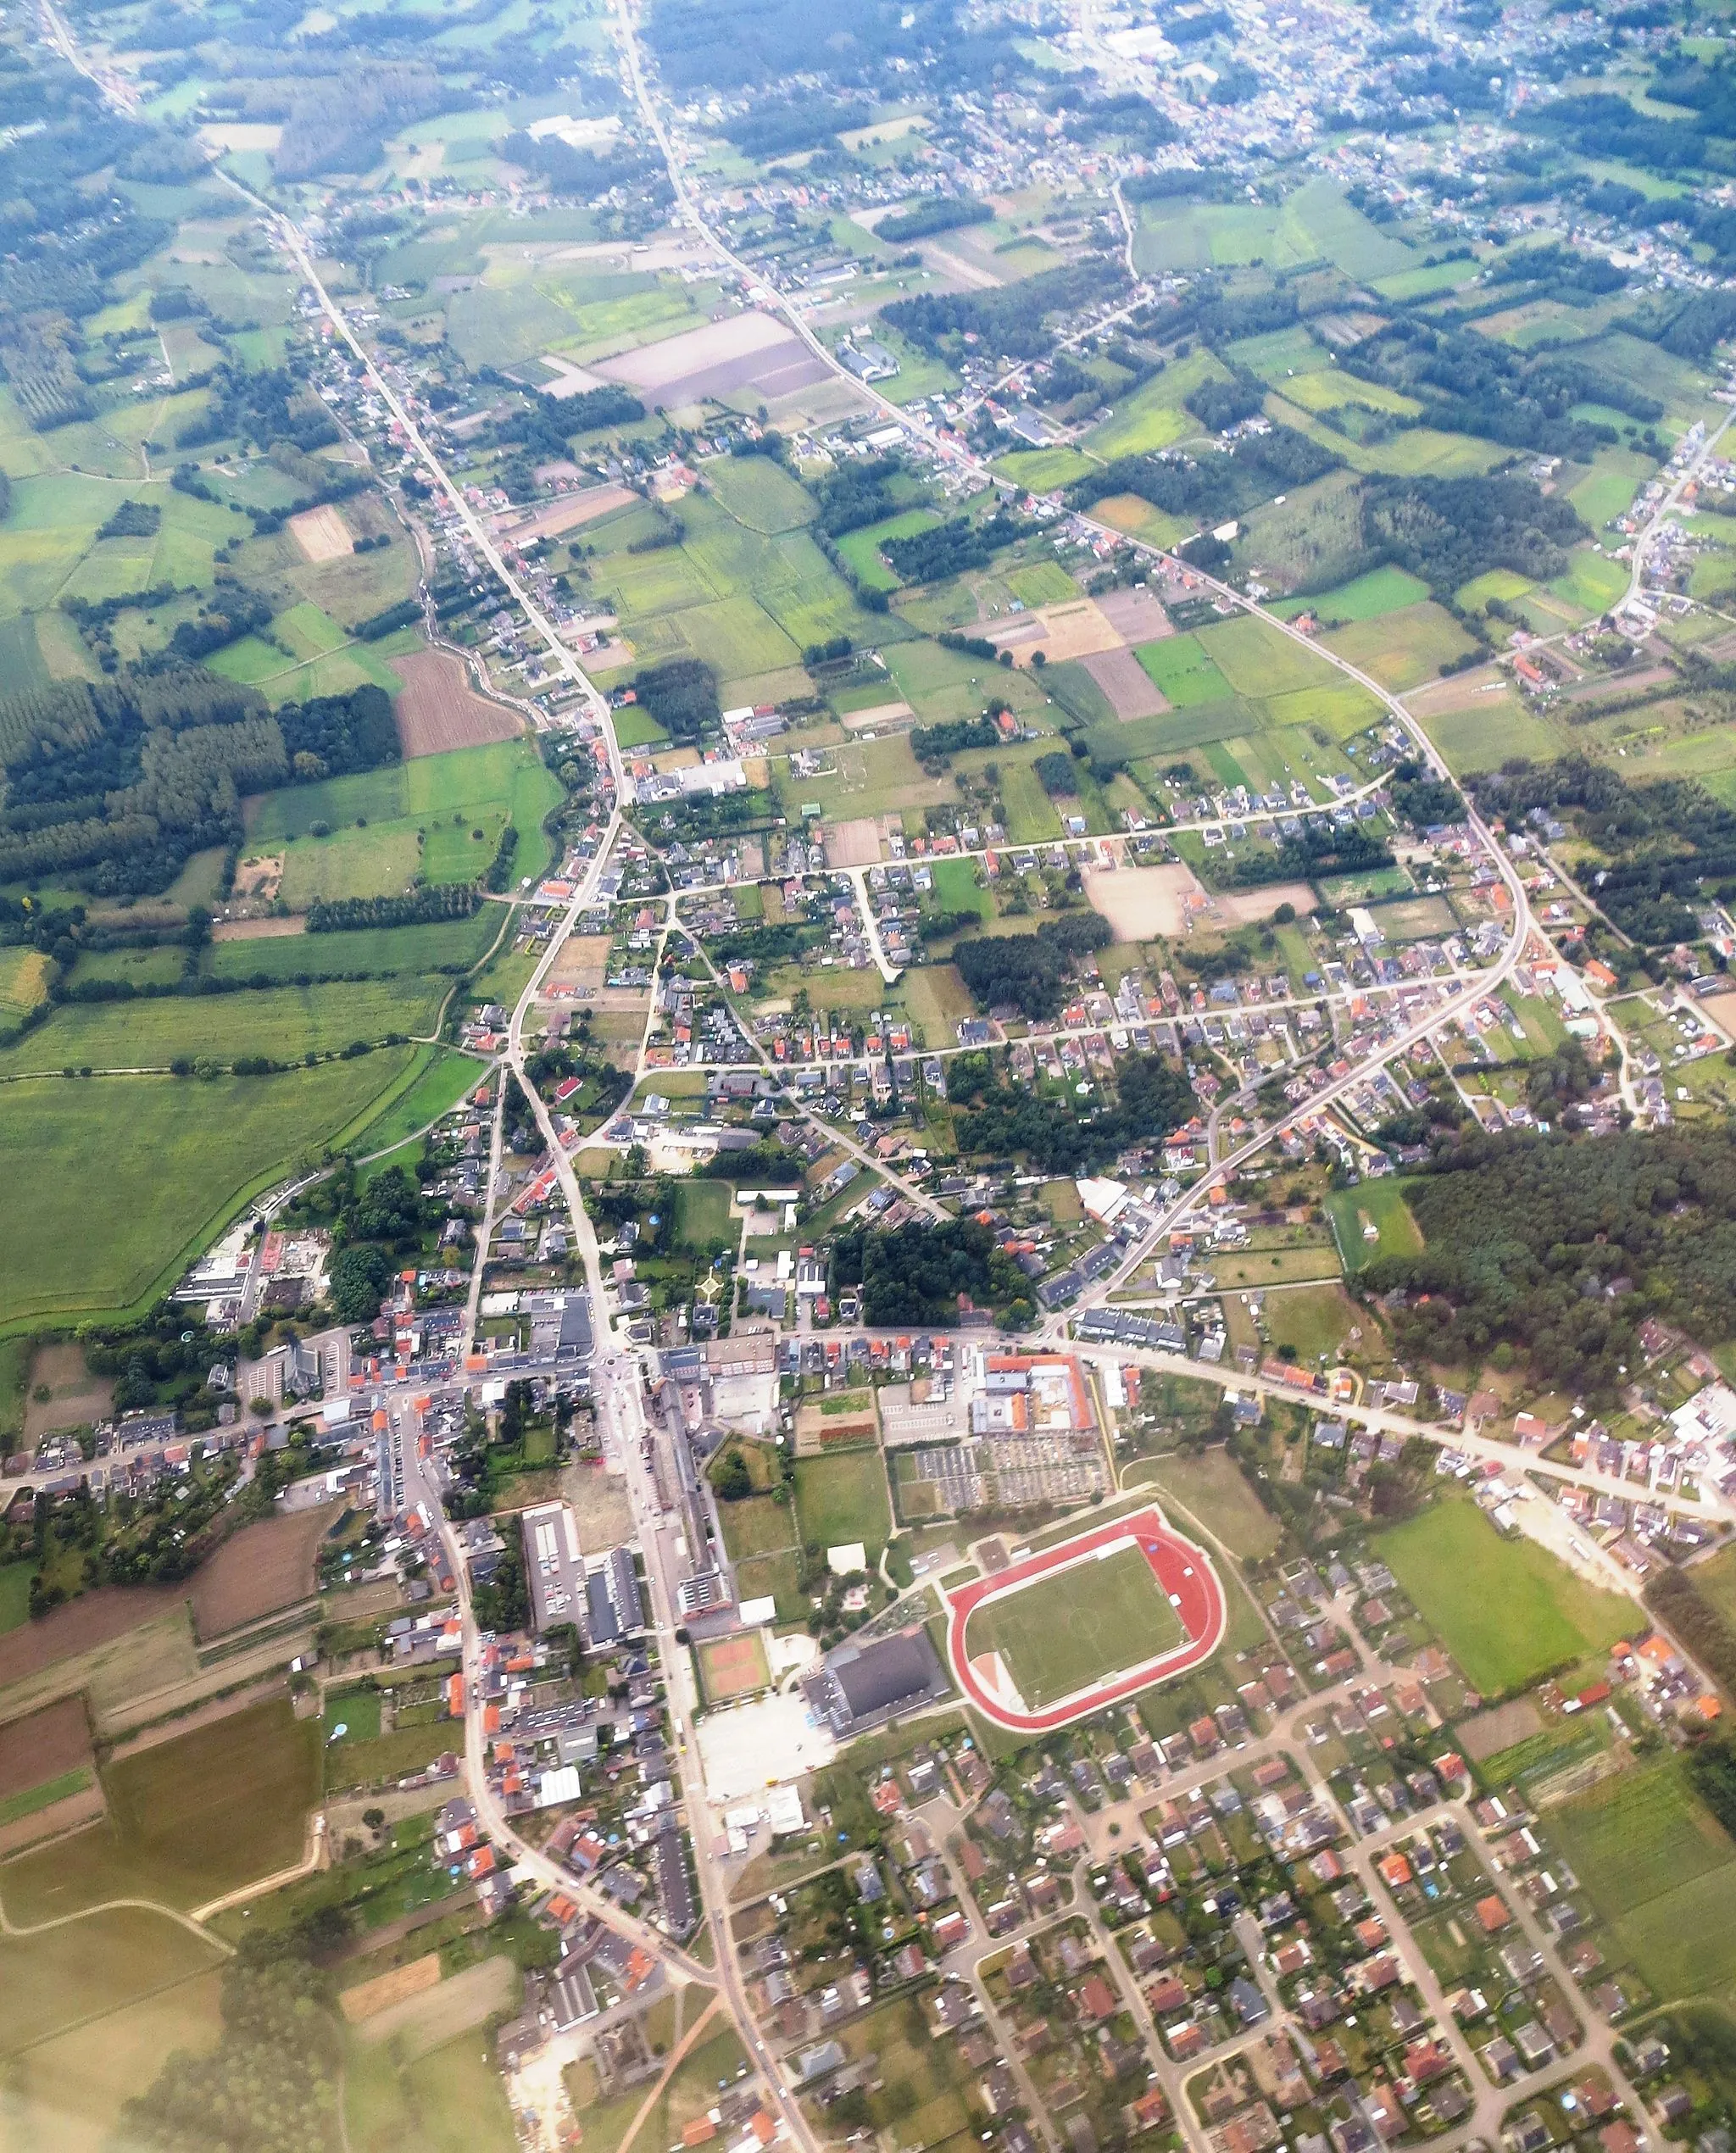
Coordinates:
[867,1076]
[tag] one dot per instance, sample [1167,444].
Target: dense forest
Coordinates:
[915,1274]
[1153,1097]
[1009,321]
[1555,1249]
[682,695]
[1029,972]
[1216,487]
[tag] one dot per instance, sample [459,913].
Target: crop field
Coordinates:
[430,945]
[1684,1944]
[1181,671]
[1380,1205]
[283,1022]
[467,779]
[187,1820]
[1641,1835]
[1316,223]
[440,711]
[1506,1610]
[1481,734]
[262,1567]
[1069,1629]
[758,493]
[1258,659]
[1592,582]
[842,1499]
[1152,416]
[23,983]
[111,1183]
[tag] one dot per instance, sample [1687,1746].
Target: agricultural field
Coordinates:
[187,1820]
[113,1183]
[1070,1629]
[1506,1608]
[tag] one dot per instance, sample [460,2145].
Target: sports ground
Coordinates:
[1084,1624]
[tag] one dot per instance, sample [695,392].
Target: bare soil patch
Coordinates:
[42,1746]
[601,1507]
[322,533]
[439,709]
[1136,614]
[1486,1733]
[261,877]
[271,930]
[1243,907]
[853,844]
[93,1619]
[257,1571]
[583,961]
[77,1398]
[1141,903]
[1126,684]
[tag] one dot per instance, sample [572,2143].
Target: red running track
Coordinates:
[1183,1572]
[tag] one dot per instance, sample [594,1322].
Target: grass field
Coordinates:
[1382,590]
[285,1023]
[451,2101]
[1506,1608]
[1639,1836]
[1181,673]
[1069,1629]
[1378,1204]
[843,1500]
[1403,649]
[113,1182]
[1209,1484]
[190,1819]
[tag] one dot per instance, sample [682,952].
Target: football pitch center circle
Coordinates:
[1102,1607]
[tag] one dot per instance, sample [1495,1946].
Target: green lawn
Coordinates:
[190,1819]
[843,1500]
[14,1595]
[1069,1630]
[1506,1608]
[1380,1205]
[111,1183]
[862,549]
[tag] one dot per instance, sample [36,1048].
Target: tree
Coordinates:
[733,1480]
